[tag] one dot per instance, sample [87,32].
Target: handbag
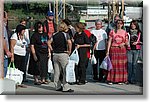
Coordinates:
[70,73]
[14,74]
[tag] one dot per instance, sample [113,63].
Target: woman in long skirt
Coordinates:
[118,40]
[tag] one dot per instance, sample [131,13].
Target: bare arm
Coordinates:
[69,46]
[49,46]
[33,52]
[85,45]
[108,46]
[12,45]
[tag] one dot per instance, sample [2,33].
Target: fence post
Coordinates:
[1,40]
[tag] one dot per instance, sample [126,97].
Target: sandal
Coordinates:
[22,86]
[37,83]
[44,82]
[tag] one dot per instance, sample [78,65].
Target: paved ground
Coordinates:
[90,88]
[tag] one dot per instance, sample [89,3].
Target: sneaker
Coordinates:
[70,90]
[60,89]
[110,83]
[120,83]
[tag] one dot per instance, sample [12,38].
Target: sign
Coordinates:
[97,11]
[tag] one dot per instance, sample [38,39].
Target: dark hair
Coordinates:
[67,21]
[22,19]
[19,28]
[116,24]
[5,13]
[136,24]
[80,26]
[37,25]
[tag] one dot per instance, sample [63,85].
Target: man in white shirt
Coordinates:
[99,49]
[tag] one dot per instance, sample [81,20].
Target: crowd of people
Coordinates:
[57,42]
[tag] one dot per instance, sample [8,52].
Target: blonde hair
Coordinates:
[62,27]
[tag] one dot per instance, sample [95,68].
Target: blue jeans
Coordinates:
[5,66]
[132,65]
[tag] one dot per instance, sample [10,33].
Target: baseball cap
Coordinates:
[50,13]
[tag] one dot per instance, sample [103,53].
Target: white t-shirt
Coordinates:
[26,36]
[101,36]
[20,47]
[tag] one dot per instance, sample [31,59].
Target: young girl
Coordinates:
[133,53]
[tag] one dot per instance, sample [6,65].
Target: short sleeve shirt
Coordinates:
[20,46]
[119,37]
[39,40]
[101,36]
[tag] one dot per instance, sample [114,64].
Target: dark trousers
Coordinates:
[99,55]
[80,69]
[19,62]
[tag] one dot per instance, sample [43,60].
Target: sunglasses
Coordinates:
[119,23]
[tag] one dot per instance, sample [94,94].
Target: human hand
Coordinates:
[35,57]
[9,54]
[121,45]
[77,46]
[12,59]
[135,43]
[107,53]
[49,55]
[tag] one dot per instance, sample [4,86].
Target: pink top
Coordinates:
[119,37]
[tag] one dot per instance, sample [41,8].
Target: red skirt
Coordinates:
[118,58]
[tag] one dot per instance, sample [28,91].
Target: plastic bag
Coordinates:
[75,56]
[93,60]
[70,73]
[14,74]
[50,66]
[106,64]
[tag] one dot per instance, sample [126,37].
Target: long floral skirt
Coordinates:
[118,58]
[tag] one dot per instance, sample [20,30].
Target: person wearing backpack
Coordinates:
[60,44]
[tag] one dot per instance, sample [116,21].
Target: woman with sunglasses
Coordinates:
[116,49]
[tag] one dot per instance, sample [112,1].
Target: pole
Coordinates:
[56,12]
[108,13]
[50,7]
[122,9]
[1,40]
[64,9]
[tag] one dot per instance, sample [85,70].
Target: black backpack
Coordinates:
[93,40]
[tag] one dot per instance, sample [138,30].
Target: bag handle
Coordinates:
[11,63]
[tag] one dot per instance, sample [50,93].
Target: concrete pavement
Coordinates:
[90,88]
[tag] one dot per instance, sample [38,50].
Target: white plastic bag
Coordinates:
[70,73]
[50,66]
[106,64]
[75,56]
[14,74]
[93,60]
